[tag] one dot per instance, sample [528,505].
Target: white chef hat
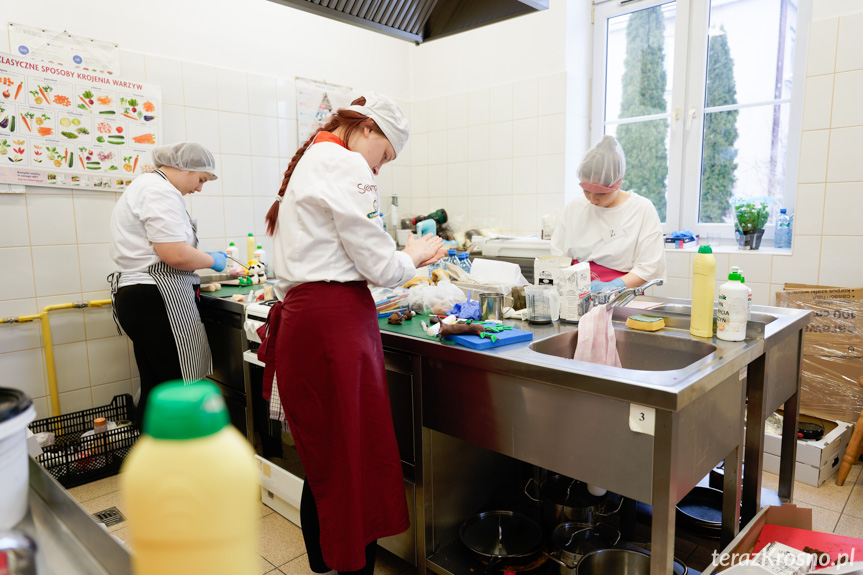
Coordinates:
[603,165]
[388,116]
[190,156]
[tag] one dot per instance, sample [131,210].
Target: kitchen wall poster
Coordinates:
[316,102]
[53,47]
[72,127]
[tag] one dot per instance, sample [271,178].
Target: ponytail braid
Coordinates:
[348,119]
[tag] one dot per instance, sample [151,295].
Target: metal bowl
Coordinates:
[614,562]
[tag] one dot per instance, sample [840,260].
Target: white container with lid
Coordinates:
[16,413]
[733,309]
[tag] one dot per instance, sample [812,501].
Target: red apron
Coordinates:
[325,345]
[602,273]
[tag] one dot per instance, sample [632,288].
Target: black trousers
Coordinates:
[142,314]
[312,538]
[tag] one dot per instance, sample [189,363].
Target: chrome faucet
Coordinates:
[624,297]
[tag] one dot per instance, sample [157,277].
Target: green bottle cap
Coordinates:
[178,411]
[251,235]
[733,276]
[705,250]
[230,244]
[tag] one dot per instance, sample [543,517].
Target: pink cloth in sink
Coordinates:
[596,340]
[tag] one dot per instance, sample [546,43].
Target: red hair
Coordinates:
[347,119]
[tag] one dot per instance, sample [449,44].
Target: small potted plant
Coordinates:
[750,218]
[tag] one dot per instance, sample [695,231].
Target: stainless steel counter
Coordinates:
[574,417]
[68,540]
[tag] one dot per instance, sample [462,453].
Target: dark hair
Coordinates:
[347,119]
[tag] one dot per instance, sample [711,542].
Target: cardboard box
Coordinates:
[546,269]
[832,369]
[803,473]
[815,453]
[787,515]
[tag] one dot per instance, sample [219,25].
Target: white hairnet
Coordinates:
[190,156]
[603,164]
[388,116]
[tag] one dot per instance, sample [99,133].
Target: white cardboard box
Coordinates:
[818,460]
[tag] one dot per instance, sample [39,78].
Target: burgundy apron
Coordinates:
[602,273]
[324,344]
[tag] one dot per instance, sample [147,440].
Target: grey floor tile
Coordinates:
[297,566]
[823,520]
[849,527]
[95,489]
[279,540]
[265,566]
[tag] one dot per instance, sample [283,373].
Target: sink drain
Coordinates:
[110,516]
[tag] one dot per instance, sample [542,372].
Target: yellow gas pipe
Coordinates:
[46,336]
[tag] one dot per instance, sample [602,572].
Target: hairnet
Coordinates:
[604,164]
[388,116]
[190,156]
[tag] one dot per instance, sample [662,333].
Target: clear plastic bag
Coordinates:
[435,299]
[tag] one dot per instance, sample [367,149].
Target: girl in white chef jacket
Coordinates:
[617,231]
[322,340]
[155,290]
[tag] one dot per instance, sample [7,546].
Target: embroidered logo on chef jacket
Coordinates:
[375,213]
[363,188]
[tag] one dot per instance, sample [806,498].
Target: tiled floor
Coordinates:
[834,510]
[280,542]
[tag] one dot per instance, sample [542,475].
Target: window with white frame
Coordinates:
[705,99]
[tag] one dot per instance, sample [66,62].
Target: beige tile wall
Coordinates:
[828,222]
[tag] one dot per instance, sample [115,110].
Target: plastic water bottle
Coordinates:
[451,259]
[464,262]
[191,487]
[782,236]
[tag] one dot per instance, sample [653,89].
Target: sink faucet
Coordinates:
[624,297]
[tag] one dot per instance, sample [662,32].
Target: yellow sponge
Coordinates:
[645,322]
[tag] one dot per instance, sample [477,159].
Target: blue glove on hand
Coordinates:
[220,260]
[613,284]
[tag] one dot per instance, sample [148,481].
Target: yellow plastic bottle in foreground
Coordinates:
[703,291]
[191,488]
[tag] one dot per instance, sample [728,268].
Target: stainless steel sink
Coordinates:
[687,310]
[637,349]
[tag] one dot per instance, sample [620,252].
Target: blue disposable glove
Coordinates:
[466,310]
[220,260]
[613,284]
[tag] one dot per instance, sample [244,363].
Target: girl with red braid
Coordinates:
[322,339]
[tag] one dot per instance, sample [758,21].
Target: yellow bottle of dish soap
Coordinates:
[250,246]
[703,290]
[190,487]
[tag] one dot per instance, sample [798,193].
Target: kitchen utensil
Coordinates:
[491,306]
[244,266]
[678,567]
[506,537]
[543,304]
[614,562]
[567,500]
[700,511]
[572,541]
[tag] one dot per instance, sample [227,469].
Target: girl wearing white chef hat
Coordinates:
[617,231]
[322,340]
[154,245]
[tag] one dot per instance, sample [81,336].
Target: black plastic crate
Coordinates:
[74,460]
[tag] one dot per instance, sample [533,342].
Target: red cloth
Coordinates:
[325,343]
[602,273]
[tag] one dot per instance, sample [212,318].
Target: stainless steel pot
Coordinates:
[614,562]
[572,541]
[502,536]
[566,500]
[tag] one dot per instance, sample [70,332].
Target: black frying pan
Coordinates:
[700,511]
[502,537]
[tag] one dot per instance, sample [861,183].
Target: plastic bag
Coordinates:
[596,340]
[435,299]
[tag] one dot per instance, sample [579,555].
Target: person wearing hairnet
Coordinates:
[155,290]
[322,340]
[617,231]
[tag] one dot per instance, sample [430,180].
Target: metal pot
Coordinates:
[572,541]
[502,537]
[567,500]
[614,562]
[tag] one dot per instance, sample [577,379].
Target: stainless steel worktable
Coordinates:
[539,408]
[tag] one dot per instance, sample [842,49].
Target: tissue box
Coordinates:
[574,289]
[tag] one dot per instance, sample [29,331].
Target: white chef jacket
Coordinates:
[627,238]
[151,210]
[329,227]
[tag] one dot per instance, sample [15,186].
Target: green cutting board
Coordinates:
[228,291]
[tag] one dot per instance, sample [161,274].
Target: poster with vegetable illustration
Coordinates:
[74,127]
[11,87]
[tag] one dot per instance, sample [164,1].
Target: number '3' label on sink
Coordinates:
[642,419]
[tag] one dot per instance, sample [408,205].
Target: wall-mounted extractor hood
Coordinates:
[418,20]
